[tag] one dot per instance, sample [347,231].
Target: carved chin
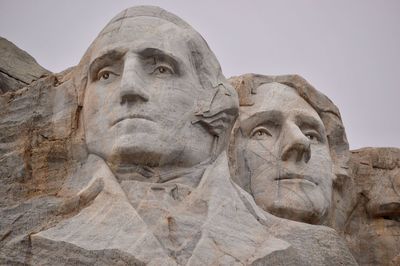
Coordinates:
[297,206]
[142,148]
[297,213]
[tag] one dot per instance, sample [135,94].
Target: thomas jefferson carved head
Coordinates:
[152,92]
[283,148]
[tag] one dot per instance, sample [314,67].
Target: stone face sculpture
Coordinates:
[123,160]
[153,87]
[156,109]
[282,144]
[373,229]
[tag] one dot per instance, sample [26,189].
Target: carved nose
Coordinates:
[295,145]
[132,86]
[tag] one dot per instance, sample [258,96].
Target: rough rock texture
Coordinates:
[269,151]
[17,68]
[35,155]
[373,229]
[123,160]
[42,152]
[275,150]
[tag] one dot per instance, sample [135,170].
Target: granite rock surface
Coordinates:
[123,159]
[373,229]
[49,205]
[17,67]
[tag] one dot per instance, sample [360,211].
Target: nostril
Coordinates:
[306,152]
[294,144]
[128,98]
[307,155]
[133,96]
[298,152]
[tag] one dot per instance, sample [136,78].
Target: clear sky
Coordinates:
[348,49]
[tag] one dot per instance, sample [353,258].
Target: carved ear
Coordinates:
[218,111]
[218,123]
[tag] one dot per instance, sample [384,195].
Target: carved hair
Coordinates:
[246,86]
[218,109]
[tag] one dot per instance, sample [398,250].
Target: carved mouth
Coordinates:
[395,218]
[292,176]
[133,116]
[389,211]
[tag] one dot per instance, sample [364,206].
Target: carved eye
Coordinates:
[105,75]
[313,136]
[260,133]
[163,70]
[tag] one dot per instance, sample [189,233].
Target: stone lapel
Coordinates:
[162,223]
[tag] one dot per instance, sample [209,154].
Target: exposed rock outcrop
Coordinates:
[17,68]
[373,229]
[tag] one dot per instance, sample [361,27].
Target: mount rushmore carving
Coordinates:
[145,154]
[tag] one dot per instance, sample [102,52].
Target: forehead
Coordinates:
[139,33]
[278,97]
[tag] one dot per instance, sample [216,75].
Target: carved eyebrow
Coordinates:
[304,120]
[103,59]
[271,115]
[264,117]
[163,56]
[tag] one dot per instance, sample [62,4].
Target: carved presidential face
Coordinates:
[384,195]
[373,228]
[283,152]
[381,230]
[141,95]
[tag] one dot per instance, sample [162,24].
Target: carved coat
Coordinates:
[216,223]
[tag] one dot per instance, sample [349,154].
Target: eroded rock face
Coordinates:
[373,229]
[289,149]
[123,160]
[39,148]
[17,68]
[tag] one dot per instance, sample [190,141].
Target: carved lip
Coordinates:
[288,176]
[388,211]
[132,116]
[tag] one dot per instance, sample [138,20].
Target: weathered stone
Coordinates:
[373,229]
[17,68]
[37,151]
[123,160]
[289,149]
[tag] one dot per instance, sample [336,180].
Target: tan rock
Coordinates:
[289,150]
[373,229]
[17,68]
[123,160]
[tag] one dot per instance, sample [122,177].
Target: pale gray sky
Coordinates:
[348,49]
